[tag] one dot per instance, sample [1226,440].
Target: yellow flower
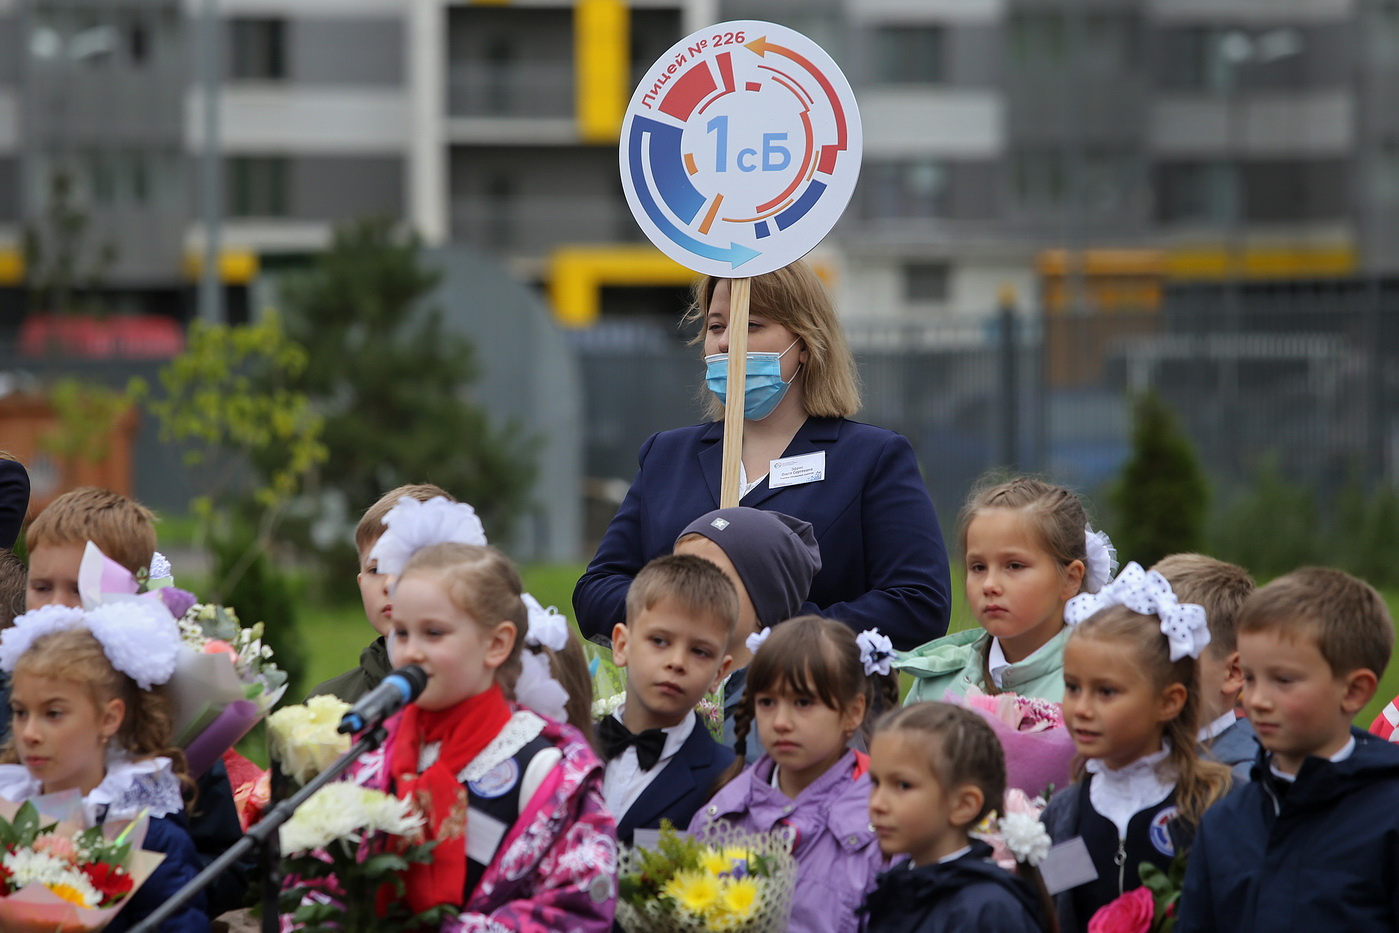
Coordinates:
[740,897]
[71,894]
[720,922]
[736,854]
[714,862]
[693,890]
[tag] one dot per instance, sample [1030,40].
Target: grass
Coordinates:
[335,636]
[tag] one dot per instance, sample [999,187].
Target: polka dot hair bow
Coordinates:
[1149,593]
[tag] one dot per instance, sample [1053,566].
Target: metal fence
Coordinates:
[1305,374]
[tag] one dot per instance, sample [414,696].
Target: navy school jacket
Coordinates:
[681,788]
[883,562]
[1322,854]
[965,894]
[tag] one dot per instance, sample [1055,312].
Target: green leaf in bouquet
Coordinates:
[24,828]
[383,863]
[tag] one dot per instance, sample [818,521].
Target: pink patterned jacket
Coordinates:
[556,868]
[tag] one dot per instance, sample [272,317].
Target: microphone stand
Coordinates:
[263,834]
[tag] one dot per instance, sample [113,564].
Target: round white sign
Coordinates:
[740,148]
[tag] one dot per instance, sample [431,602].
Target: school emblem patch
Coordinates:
[498,781]
[1160,835]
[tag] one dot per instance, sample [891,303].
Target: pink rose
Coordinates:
[58,846]
[1130,913]
[217,646]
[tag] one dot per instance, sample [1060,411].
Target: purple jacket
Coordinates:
[838,856]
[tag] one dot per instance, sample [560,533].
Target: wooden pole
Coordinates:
[733,408]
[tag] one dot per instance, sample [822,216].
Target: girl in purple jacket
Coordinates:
[809,687]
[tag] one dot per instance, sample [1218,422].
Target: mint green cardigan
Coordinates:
[956,662]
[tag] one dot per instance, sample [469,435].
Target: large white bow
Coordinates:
[1146,591]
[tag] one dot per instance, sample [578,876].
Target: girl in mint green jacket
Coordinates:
[1028,550]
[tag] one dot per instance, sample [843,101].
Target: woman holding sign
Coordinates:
[883,563]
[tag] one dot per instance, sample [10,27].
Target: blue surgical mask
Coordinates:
[763,388]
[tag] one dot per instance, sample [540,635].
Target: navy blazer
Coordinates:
[14,500]
[681,788]
[883,563]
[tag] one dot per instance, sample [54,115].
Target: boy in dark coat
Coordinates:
[1312,843]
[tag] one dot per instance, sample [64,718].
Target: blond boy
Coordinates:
[375,592]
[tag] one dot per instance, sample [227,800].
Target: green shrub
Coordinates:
[1162,498]
[262,593]
[1272,527]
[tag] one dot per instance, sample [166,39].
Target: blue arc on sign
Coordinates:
[680,196]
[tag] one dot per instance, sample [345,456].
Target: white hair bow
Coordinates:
[876,652]
[547,627]
[413,524]
[1102,559]
[1147,592]
[755,641]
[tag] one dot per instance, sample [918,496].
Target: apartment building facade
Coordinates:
[1223,136]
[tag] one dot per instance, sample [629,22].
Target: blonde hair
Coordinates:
[371,525]
[483,583]
[798,300]
[696,585]
[1199,783]
[123,528]
[1220,587]
[1343,616]
[75,656]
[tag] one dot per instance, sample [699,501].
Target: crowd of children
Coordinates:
[1211,723]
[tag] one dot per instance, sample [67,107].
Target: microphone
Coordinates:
[401,687]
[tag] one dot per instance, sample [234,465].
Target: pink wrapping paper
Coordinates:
[1034,760]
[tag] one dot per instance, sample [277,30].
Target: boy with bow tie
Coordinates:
[661,760]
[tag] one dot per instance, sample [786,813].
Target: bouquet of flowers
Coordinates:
[1039,750]
[224,683]
[225,680]
[1150,908]
[54,876]
[346,848]
[727,881]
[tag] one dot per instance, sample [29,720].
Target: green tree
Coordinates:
[1162,498]
[393,384]
[228,398]
[1273,526]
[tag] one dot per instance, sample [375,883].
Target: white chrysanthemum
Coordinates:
[160,567]
[413,525]
[140,637]
[1025,837]
[346,811]
[29,867]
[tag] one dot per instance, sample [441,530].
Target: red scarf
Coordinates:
[464,731]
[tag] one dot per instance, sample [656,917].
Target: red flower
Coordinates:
[113,882]
[1130,913]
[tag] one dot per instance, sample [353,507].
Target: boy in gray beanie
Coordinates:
[771,559]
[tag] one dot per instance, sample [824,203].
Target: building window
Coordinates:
[925,282]
[909,54]
[258,49]
[915,188]
[258,186]
[1038,178]
[1387,171]
[1037,39]
[1195,193]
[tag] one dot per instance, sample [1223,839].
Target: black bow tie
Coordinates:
[616,737]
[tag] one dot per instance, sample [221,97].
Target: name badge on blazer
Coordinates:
[794,471]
